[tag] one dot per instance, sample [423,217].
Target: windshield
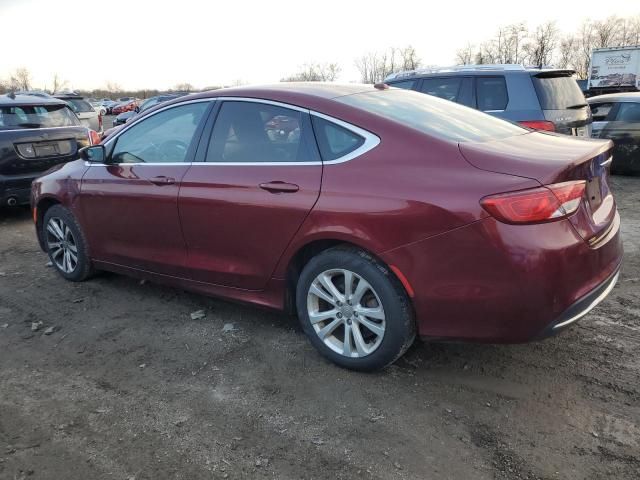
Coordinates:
[434,116]
[79,106]
[36,116]
[558,92]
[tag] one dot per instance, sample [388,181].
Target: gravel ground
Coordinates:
[128,385]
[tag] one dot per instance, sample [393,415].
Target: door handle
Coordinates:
[162,180]
[279,187]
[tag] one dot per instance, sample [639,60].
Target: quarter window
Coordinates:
[252,132]
[446,88]
[161,138]
[491,93]
[335,141]
[407,84]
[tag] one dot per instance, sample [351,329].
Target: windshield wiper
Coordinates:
[580,105]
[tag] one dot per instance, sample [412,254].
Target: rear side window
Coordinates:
[253,132]
[447,88]
[334,141]
[600,111]
[37,116]
[433,116]
[491,93]
[629,112]
[408,84]
[558,92]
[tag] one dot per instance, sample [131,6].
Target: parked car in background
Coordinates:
[109,104]
[99,107]
[124,117]
[125,106]
[84,110]
[36,134]
[542,99]
[381,214]
[616,116]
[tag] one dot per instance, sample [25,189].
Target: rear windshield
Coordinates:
[36,116]
[558,93]
[79,106]
[434,116]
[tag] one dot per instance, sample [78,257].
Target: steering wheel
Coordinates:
[172,150]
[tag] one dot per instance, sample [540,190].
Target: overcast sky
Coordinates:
[156,44]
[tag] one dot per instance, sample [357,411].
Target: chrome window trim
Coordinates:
[370,139]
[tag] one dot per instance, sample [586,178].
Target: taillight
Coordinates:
[94,138]
[539,125]
[536,205]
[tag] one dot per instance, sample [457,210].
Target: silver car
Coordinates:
[88,116]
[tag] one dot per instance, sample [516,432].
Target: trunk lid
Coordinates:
[30,151]
[552,158]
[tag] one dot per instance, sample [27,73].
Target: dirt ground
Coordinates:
[129,386]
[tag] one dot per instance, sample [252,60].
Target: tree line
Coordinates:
[543,45]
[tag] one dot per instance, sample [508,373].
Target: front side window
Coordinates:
[252,132]
[600,111]
[161,138]
[406,84]
[446,88]
[491,93]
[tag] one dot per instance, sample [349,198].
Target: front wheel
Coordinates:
[66,244]
[354,310]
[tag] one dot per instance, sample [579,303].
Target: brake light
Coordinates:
[536,205]
[544,125]
[94,137]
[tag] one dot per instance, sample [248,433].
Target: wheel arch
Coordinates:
[43,205]
[311,249]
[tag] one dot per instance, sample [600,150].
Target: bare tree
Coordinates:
[315,72]
[183,87]
[542,43]
[113,87]
[375,66]
[567,52]
[464,56]
[58,83]
[21,79]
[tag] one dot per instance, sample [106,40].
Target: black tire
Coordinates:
[400,329]
[83,268]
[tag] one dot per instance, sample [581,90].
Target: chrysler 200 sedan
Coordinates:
[377,214]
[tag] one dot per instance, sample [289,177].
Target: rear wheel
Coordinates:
[66,244]
[354,310]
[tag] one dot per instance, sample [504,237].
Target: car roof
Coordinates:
[9,100]
[471,70]
[616,97]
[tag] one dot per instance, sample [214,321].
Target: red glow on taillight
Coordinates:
[539,125]
[94,137]
[536,205]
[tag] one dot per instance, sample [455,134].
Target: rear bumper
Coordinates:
[497,283]
[583,306]
[15,189]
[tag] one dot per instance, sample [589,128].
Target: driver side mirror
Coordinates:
[93,154]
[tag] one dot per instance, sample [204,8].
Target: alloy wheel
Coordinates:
[62,245]
[346,313]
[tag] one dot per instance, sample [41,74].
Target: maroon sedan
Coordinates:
[124,107]
[381,214]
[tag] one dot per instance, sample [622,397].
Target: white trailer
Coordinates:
[615,69]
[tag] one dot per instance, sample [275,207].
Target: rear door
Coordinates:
[129,205]
[454,88]
[563,103]
[240,206]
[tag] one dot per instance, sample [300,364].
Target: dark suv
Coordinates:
[36,134]
[543,99]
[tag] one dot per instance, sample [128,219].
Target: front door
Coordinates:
[129,205]
[243,204]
